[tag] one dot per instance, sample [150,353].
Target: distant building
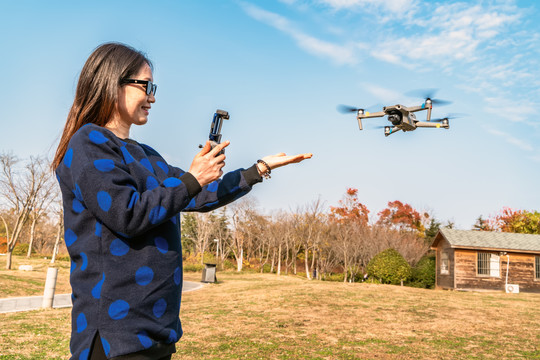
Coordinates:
[486,260]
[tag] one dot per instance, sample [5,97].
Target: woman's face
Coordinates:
[133,103]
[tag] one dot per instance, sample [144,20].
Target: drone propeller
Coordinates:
[346,109]
[448,117]
[349,109]
[428,94]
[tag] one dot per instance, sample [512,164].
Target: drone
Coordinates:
[402,117]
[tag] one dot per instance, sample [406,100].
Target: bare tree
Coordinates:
[20,193]
[242,213]
[45,197]
[59,232]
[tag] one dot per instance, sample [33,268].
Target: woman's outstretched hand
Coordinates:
[281,159]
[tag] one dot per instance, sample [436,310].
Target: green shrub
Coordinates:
[20,249]
[423,274]
[333,277]
[266,268]
[228,265]
[390,267]
[193,267]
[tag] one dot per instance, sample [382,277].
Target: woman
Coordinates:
[121,211]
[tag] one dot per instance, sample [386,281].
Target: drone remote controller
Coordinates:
[215,128]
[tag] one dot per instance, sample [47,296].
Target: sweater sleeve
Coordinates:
[231,187]
[104,183]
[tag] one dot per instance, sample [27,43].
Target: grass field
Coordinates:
[263,316]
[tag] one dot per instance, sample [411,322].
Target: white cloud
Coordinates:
[535,158]
[511,109]
[383,94]
[511,140]
[339,54]
[394,6]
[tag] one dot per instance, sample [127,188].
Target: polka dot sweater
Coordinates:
[122,230]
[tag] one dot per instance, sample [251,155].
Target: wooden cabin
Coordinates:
[486,260]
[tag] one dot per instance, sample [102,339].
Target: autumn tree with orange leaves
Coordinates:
[350,209]
[516,221]
[403,217]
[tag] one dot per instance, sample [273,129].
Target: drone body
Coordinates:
[402,117]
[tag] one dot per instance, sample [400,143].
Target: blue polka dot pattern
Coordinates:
[104,200]
[151,183]
[106,346]
[104,165]
[134,198]
[73,266]
[171,182]
[174,221]
[68,158]
[81,323]
[161,244]
[96,291]
[118,247]
[163,167]
[77,192]
[191,203]
[146,163]
[77,206]
[177,276]
[84,354]
[97,138]
[157,214]
[173,337]
[144,275]
[127,156]
[159,308]
[70,237]
[144,339]
[84,261]
[211,204]
[213,186]
[97,232]
[118,310]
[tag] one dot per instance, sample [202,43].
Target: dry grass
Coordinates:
[255,316]
[16,282]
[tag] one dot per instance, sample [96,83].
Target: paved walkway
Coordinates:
[60,301]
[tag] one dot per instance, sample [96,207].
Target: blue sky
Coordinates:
[281,67]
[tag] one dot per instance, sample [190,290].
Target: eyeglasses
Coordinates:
[149,86]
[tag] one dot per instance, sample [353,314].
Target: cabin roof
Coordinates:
[489,240]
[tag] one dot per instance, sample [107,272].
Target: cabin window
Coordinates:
[444,264]
[488,264]
[537,267]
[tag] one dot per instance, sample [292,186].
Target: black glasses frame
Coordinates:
[149,86]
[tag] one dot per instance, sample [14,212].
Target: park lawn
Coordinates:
[14,282]
[264,316]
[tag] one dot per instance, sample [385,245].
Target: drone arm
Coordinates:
[390,130]
[425,124]
[368,115]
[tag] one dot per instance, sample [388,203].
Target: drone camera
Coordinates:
[395,118]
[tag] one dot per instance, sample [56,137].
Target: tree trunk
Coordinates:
[240,260]
[32,233]
[306,254]
[279,260]
[8,259]
[56,243]
[345,265]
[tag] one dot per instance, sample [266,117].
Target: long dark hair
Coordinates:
[97,90]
